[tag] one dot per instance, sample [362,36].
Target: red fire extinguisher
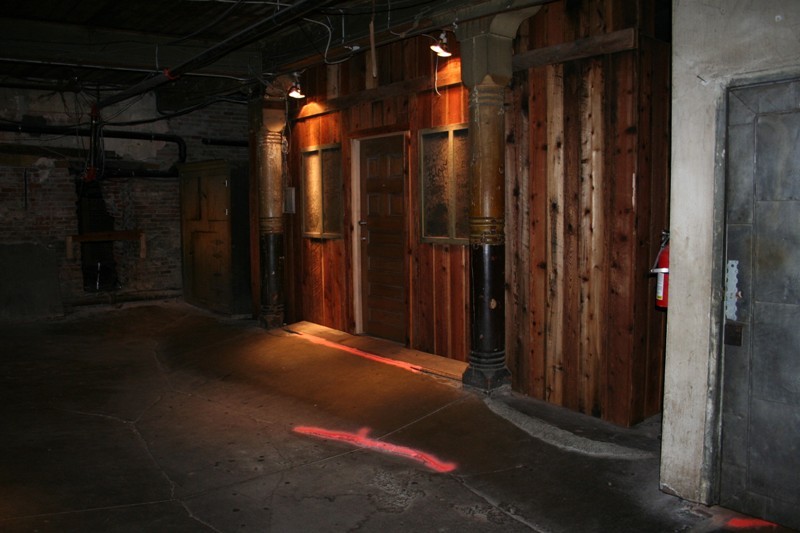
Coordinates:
[661,270]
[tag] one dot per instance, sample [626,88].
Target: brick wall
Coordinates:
[38,193]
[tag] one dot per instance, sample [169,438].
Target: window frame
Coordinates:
[452,187]
[324,231]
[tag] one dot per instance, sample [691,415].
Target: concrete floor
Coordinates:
[163,417]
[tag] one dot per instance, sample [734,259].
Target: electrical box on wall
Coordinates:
[288,201]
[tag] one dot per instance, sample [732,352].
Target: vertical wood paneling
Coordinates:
[348,320]
[538,266]
[312,287]
[659,207]
[456,106]
[424,308]
[594,286]
[417,334]
[573,232]
[623,130]
[357,73]
[364,115]
[587,180]
[517,235]
[459,304]
[441,299]
[439,108]
[439,284]
[645,218]
[549,25]
[554,347]
[518,330]
[322,276]
[376,114]
[335,309]
[329,129]
[598,160]
[437,277]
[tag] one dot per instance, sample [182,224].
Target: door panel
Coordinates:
[761,357]
[383,264]
[208,271]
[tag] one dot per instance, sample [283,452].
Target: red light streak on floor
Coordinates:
[355,351]
[362,440]
[747,523]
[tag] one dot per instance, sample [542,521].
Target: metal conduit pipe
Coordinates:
[86,132]
[211,141]
[92,66]
[246,36]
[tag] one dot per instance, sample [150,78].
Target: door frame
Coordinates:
[355,213]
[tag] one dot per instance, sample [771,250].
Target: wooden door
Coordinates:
[383,239]
[205,206]
[761,380]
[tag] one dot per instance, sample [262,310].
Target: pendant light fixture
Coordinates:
[295,91]
[440,46]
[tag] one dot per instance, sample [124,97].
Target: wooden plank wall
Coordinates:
[584,215]
[320,272]
[586,198]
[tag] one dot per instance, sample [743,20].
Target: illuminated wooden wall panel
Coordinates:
[587,152]
[320,270]
[439,271]
[317,268]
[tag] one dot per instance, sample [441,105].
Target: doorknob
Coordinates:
[362,222]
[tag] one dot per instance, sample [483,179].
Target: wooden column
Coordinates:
[270,217]
[486,70]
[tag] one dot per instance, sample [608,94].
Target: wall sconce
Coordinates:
[440,46]
[295,91]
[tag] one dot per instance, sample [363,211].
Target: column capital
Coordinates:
[486,46]
[273,119]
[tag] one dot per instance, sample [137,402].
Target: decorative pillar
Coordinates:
[487,359]
[270,216]
[486,70]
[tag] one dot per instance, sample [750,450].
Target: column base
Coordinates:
[486,380]
[271,318]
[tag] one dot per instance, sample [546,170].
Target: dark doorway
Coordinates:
[383,238]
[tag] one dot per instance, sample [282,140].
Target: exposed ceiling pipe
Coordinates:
[100,67]
[86,132]
[252,33]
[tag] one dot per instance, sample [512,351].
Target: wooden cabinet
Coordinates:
[215,236]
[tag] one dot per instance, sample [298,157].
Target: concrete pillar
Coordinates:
[486,70]
[270,216]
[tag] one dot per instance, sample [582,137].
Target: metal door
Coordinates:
[383,265]
[760,457]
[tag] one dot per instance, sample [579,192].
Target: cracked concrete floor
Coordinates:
[162,417]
